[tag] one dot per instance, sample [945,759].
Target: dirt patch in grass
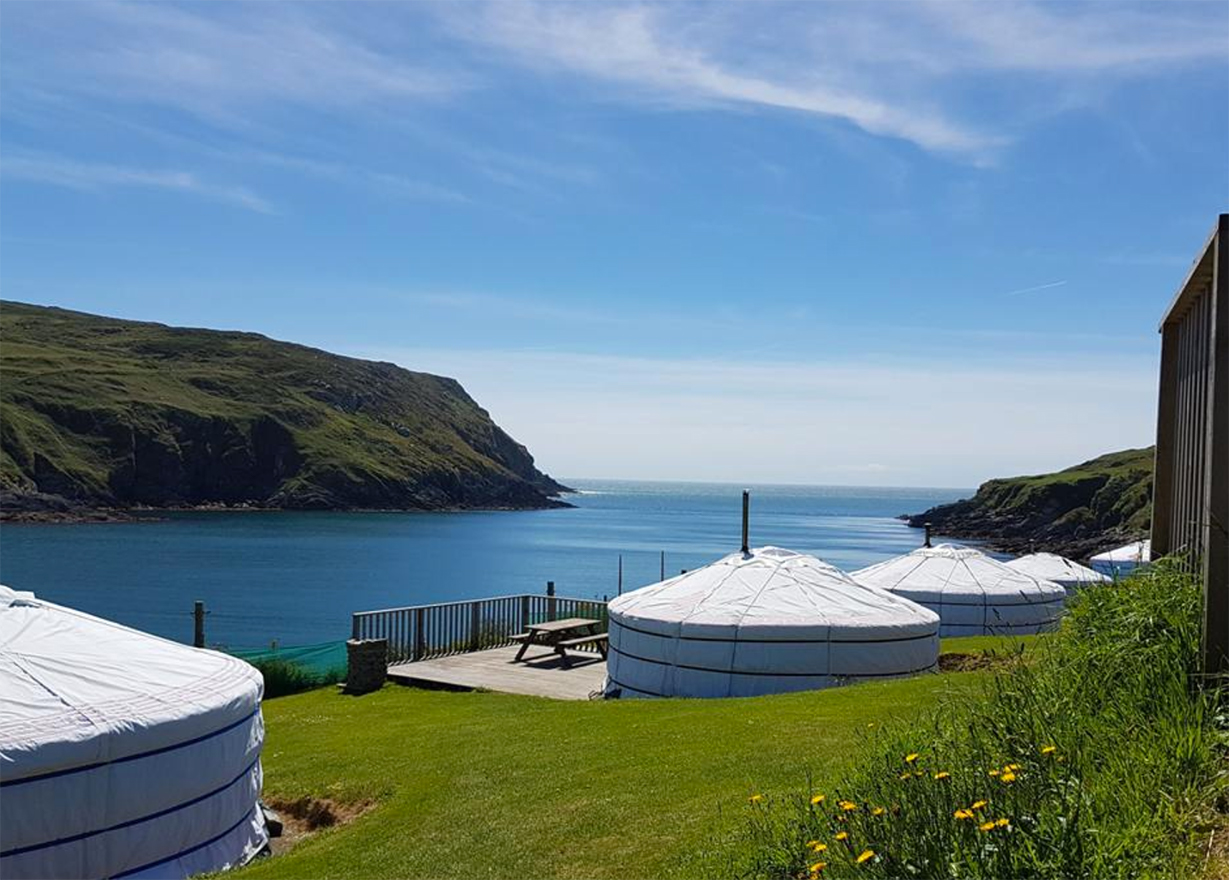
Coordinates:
[954,662]
[304,816]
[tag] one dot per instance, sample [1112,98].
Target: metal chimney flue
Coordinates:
[927,543]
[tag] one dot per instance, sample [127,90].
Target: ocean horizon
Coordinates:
[295,577]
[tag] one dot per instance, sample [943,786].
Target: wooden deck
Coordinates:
[540,674]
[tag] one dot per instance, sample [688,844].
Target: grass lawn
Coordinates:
[491,785]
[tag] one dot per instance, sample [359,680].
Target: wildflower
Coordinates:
[817,867]
[993,771]
[963,814]
[977,805]
[905,775]
[817,799]
[911,757]
[1001,823]
[878,811]
[867,855]
[919,772]
[1007,778]
[842,835]
[1011,768]
[848,806]
[943,775]
[1049,750]
[756,798]
[986,826]
[816,846]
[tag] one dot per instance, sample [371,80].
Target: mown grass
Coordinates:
[1094,755]
[491,785]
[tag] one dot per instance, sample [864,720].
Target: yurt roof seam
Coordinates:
[758,672]
[738,638]
[189,850]
[130,822]
[5,783]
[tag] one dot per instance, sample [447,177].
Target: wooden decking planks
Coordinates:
[541,674]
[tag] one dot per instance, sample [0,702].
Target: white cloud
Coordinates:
[923,423]
[58,171]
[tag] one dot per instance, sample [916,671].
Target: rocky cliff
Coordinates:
[99,413]
[1074,512]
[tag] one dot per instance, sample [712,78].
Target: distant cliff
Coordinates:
[1075,512]
[99,413]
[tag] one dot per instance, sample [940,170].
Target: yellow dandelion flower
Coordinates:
[866,856]
[911,757]
[818,866]
[818,847]
[1007,778]
[842,835]
[817,799]
[878,811]
[963,814]
[1001,823]
[993,772]
[1049,750]
[848,806]
[986,826]
[977,805]
[943,775]
[906,775]
[1011,768]
[756,798]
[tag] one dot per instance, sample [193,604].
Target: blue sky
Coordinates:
[909,243]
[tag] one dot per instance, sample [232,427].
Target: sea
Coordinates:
[293,579]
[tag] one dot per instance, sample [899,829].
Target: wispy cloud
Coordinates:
[58,171]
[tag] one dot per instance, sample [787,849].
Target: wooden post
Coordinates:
[663,565]
[354,626]
[475,625]
[620,574]
[1163,469]
[1216,481]
[524,612]
[551,603]
[927,541]
[420,641]
[746,518]
[198,620]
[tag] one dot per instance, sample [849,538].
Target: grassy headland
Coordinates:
[101,413]
[1075,512]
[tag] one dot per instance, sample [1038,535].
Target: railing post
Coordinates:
[419,641]
[475,622]
[550,600]
[354,626]
[524,613]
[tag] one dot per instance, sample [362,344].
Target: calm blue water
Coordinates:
[296,577]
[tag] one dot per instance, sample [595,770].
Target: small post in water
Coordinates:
[746,516]
[620,574]
[663,565]
[927,543]
[198,620]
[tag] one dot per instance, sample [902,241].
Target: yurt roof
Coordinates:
[947,569]
[771,594]
[1139,551]
[1052,567]
[71,680]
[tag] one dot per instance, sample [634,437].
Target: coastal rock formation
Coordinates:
[1074,512]
[98,413]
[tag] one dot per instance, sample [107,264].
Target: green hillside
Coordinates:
[1075,511]
[99,412]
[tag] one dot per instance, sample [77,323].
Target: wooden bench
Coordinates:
[598,639]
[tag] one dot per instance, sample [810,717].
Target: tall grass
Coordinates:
[285,677]
[1094,755]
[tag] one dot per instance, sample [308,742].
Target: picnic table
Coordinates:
[560,635]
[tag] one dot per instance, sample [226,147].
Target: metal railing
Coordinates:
[1190,498]
[419,632]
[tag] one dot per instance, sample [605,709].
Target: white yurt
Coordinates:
[1071,576]
[122,754]
[972,593]
[1122,560]
[762,622]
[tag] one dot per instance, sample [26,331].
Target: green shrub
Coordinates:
[1091,756]
[283,677]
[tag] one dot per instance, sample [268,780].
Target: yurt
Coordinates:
[1122,560]
[972,593]
[122,754]
[1071,576]
[762,622]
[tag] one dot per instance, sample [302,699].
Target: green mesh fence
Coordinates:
[322,659]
